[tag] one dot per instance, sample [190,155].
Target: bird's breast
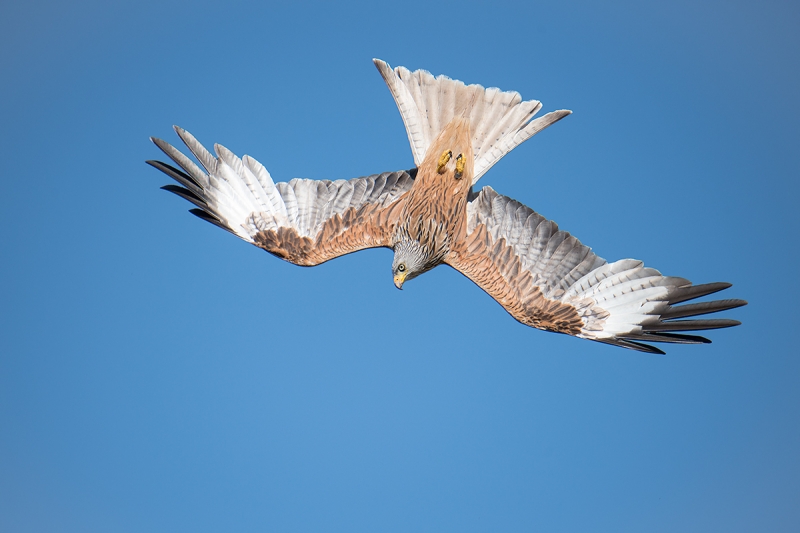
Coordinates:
[435,213]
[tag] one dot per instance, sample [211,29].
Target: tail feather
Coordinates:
[500,120]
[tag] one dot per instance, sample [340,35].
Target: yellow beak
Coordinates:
[399,278]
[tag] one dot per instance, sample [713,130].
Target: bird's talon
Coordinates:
[460,164]
[443,160]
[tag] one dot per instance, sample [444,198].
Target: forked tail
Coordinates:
[500,120]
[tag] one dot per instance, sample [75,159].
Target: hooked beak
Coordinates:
[399,279]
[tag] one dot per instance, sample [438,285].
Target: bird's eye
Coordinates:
[401,267]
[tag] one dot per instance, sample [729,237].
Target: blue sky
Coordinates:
[157,374]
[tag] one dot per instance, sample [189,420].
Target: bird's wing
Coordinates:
[546,278]
[305,222]
[500,120]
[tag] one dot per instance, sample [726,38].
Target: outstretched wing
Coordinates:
[305,222]
[546,278]
[500,120]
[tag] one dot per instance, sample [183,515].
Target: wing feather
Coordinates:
[302,221]
[275,204]
[546,278]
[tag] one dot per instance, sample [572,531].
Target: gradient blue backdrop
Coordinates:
[157,374]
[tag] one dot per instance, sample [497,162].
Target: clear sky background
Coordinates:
[157,374]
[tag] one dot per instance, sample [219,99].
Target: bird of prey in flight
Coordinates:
[432,215]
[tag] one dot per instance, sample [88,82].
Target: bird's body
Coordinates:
[430,215]
[434,215]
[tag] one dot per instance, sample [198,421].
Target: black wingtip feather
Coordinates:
[692,325]
[663,330]
[208,217]
[696,291]
[633,345]
[178,175]
[702,308]
[186,194]
[674,338]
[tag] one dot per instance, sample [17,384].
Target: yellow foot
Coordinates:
[443,160]
[460,164]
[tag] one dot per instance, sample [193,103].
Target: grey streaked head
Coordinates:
[410,260]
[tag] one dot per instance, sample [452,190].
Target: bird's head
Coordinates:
[410,260]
